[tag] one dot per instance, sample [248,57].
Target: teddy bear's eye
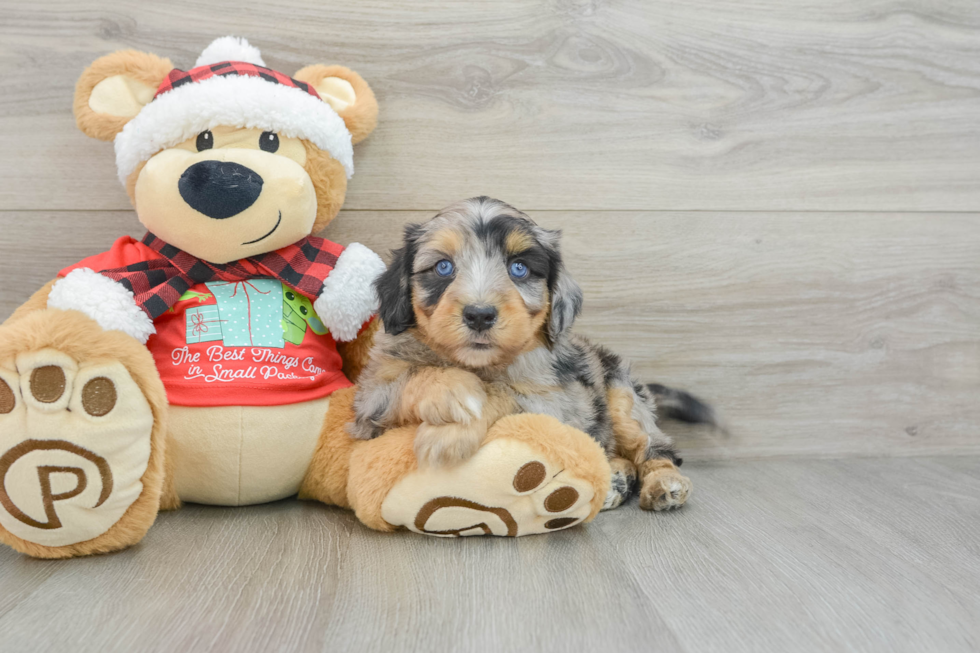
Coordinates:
[205,140]
[290,296]
[302,309]
[269,141]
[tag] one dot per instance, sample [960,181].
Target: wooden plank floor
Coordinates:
[857,555]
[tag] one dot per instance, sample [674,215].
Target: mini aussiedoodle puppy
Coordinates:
[477,309]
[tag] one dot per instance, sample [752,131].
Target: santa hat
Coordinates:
[230,85]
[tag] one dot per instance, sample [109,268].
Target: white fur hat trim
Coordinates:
[234,101]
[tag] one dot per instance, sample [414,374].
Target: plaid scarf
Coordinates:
[158,284]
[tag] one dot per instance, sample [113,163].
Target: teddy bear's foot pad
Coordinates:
[507,488]
[74,445]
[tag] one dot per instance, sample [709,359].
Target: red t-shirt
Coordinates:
[249,343]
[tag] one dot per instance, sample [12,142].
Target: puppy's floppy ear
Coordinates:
[348,94]
[394,287]
[566,295]
[566,304]
[114,89]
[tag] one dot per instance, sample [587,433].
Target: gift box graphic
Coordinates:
[250,311]
[203,324]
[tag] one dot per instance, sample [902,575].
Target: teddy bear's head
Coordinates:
[229,159]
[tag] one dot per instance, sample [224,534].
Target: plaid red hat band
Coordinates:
[178,78]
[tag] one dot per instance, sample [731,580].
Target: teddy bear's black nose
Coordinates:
[219,189]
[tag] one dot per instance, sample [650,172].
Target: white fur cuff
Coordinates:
[102,299]
[348,298]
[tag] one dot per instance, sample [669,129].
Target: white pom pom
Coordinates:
[230,48]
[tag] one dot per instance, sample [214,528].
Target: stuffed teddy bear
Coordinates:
[212,361]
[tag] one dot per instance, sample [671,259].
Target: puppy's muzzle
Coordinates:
[479,318]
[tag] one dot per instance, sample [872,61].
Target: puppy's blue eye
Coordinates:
[518,270]
[444,268]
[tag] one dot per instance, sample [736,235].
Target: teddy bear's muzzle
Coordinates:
[219,189]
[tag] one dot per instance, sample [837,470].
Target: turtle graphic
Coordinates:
[297,313]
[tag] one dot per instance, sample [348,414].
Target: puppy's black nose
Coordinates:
[479,318]
[219,189]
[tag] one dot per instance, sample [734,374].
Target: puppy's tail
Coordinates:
[683,406]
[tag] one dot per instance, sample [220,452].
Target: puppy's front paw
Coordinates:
[447,444]
[664,489]
[621,484]
[452,403]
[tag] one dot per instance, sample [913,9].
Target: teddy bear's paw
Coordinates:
[74,445]
[507,488]
[664,489]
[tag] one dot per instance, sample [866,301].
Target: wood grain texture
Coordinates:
[814,334]
[858,555]
[774,204]
[559,104]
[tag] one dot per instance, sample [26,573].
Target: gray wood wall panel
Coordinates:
[818,334]
[560,104]
[853,330]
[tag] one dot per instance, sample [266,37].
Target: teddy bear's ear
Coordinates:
[347,93]
[114,89]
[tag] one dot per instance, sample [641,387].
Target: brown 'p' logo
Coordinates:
[44,473]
